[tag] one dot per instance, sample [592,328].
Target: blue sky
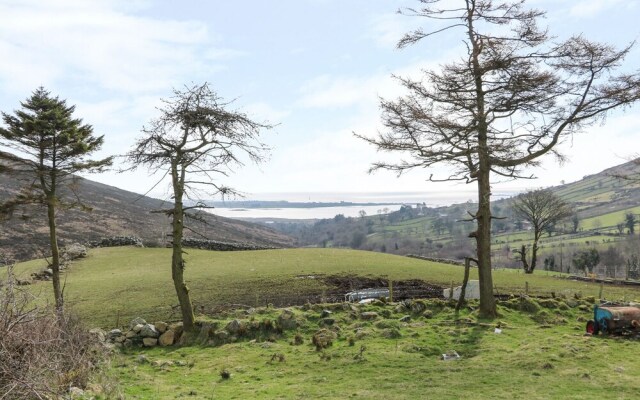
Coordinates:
[315,67]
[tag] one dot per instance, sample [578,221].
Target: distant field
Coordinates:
[112,285]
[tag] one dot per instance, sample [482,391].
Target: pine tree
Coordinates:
[50,147]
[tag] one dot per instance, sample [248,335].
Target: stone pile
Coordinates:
[221,246]
[141,333]
[116,241]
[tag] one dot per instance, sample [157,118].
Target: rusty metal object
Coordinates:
[614,320]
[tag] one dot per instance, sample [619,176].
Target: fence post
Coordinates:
[390,291]
[601,290]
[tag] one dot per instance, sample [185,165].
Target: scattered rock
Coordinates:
[325,313]
[142,359]
[287,320]
[406,318]
[234,326]
[369,315]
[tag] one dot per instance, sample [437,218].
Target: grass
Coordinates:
[529,359]
[113,285]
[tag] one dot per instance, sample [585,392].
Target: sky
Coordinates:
[316,68]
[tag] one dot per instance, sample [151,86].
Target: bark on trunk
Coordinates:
[55,254]
[177,262]
[483,241]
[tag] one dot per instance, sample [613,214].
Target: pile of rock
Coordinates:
[221,246]
[141,333]
[116,241]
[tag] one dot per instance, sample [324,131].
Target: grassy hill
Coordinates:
[115,212]
[113,285]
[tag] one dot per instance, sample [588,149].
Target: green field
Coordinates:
[541,352]
[114,285]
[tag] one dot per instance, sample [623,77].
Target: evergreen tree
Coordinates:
[50,146]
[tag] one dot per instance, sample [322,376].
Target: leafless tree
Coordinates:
[542,209]
[194,141]
[510,99]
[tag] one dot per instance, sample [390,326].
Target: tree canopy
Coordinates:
[509,99]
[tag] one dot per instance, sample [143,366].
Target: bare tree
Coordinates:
[510,99]
[52,147]
[195,140]
[542,209]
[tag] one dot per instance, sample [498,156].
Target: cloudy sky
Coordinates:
[315,67]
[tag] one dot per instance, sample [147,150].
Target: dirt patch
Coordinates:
[405,289]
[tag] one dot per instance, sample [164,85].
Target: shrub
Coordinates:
[42,354]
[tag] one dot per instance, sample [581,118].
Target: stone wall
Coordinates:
[221,246]
[116,241]
[438,260]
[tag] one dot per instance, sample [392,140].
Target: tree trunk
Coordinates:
[55,253]
[483,241]
[177,262]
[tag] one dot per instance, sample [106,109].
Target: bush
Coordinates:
[42,354]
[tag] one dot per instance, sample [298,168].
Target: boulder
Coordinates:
[149,331]
[161,326]
[114,333]
[287,320]
[369,315]
[167,338]
[234,327]
[75,251]
[177,328]
[137,328]
[136,321]
[98,334]
[149,342]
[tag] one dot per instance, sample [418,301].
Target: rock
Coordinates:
[287,320]
[130,334]
[369,315]
[149,342]
[75,251]
[406,318]
[114,333]
[75,393]
[48,272]
[137,328]
[142,359]
[120,339]
[167,338]
[149,331]
[136,321]
[325,313]
[428,314]
[177,328]
[327,321]
[234,327]
[221,336]
[161,327]
[98,334]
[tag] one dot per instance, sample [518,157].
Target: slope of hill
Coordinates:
[115,212]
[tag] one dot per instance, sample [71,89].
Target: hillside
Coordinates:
[600,200]
[115,212]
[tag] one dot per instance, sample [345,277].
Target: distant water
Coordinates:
[435,199]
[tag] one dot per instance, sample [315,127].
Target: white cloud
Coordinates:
[97,45]
[591,8]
